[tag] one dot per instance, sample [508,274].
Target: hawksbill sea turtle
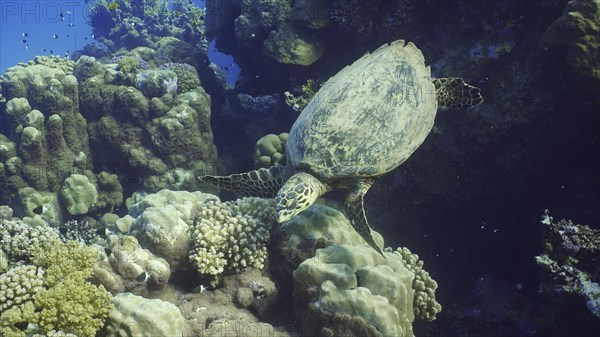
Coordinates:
[364,122]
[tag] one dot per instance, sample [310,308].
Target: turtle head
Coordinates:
[299,192]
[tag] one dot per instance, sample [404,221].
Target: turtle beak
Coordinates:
[284,215]
[281,217]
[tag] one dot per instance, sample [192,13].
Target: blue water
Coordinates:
[41,20]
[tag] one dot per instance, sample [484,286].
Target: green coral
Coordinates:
[128,64]
[68,302]
[579,28]
[79,194]
[230,236]
[425,304]
[270,150]
[40,207]
[110,191]
[71,259]
[292,45]
[53,295]
[306,93]
[73,305]
[187,76]
[337,278]
[353,281]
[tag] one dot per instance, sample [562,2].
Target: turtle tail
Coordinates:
[454,93]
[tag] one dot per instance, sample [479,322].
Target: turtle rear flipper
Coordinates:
[454,93]
[355,212]
[264,183]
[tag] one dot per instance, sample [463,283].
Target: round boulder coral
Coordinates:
[79,194]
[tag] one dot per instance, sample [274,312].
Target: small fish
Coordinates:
[44,50]
[93,36]
[23,41]
[55,36]
[71,24]
[61,15]
[112,6]
[51,51]
[85,38]
[27,46]
[226,69]
[68,35]
[62,18]
[21,325]
[24,35]
[38,210]
[69,12]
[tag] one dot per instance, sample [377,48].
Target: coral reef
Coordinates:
[299,98]
[163,137]
[270,150]
[579,28]
[123,265]
[52,294]
[133,24]
[50,139]
[163,221]
[79,194]
[353,281]
[234,308]
[187,76]
[282,29]
[230,236]
[570,262]
[18,239]
[217,237]
[138,316]
[333,268]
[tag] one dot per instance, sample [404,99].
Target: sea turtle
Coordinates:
[363,122]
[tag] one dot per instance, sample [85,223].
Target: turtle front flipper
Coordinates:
[264,182]
[355,212]
[454,93]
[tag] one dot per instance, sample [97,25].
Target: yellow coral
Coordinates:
[69,302]
[73,305]
[71,259]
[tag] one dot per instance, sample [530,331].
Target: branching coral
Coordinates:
[230,236]
[424,304]
[570,261]
[18,239]
[53,293]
